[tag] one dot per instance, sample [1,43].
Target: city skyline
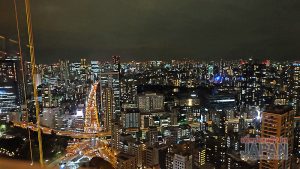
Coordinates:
[143,30]
[130,115]
[190,84]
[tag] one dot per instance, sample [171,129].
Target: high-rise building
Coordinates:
[149,102]
[199,156]
[95,70]
[107,107]
[182,161]
[297,138]
[115,136]
[171,134]
[293,86]
[252,89]
[278,121]
[47,100]
[156,156]
[64,69]
[116,63]
[111,80]
[152,155]
[179,156]
[131,118]
[11,93]
[75,69]
[126,161]
[83,64]
[152,135]
[137,149]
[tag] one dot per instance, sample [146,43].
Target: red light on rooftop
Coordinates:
[266,62]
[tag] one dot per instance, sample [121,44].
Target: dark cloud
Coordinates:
[156,29]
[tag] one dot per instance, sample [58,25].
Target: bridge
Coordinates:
[47,130]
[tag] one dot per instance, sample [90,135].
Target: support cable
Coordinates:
[33,72]
[23,78]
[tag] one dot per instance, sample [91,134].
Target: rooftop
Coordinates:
[278,109]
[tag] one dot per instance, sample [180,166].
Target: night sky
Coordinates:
[159,29]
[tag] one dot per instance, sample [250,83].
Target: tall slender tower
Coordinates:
[115,136]
[110,78]
[11,93]
[116,63]
[278,121]
[107,107]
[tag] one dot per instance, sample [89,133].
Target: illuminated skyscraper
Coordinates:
[126,161]
[293,85]
[107,107]
[252,88]
[150,102]
[199,156]
[180,156]
[137,149]
[152,135]
[64,69]
[297,138]
[278,121]
[11,93]
[116,63]
[152,157]
[111,80]
[83,63]
[95,70]
[182,161]
[115,136]
[131,118]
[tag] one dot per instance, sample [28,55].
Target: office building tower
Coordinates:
[152,135]
[179,156]
[149,102]
[107,107]
[152,157]
[75,69]
[126,161]
[278,121]
[171,134]
[111,80]
[46,96]
[116,63]
[297,137]
[252,88]
[10,93]
[182,161]
[292,76]
[128,90]
[83,64]
[137,149]
[199,156]
[156,156]
[115,136]
[95,70]
[28,79]
[131,118]
[64,69]
[11,85]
